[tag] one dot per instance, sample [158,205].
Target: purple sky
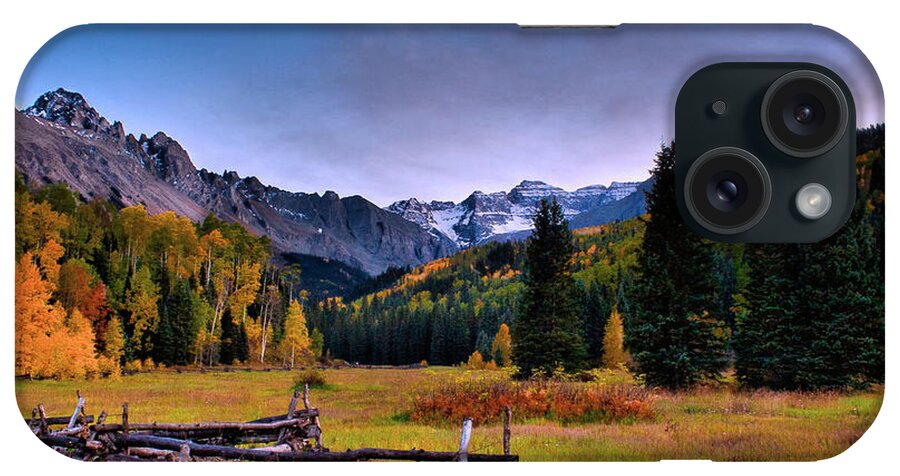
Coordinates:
[435,112]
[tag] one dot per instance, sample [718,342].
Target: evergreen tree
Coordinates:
[771,340]
[178,326]
[483,344]
[241,346]
[670,329]
[437,353]
[547,332]
[229,347]
[316,342]
[812,315]
[595,310]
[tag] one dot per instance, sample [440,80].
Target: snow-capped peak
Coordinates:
[483,216]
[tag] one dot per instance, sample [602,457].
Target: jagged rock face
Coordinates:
[70,109]
[61,138]
[483,217]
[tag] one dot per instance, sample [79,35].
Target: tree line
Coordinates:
[679,309]
[98,288]
[803,316]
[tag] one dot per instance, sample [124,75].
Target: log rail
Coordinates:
[293,436]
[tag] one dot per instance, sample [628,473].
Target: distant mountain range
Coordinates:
[484,217]
[61,138]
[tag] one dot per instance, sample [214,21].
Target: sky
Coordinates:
[426,111]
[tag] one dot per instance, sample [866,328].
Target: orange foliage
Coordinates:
[501,347]
[475,362]
[416,275]
[48,257]
[47,343]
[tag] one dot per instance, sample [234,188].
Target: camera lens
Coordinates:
[727,190]
[804,113]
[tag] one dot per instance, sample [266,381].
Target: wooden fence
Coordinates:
[293,436]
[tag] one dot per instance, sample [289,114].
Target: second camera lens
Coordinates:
[727,190]
[804,113]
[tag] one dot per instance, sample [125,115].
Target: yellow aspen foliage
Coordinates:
[475,362]
[614,341]
[141,302]
[501,347]
[246,286]
[78,348]
[48,258]
[36,224]
[253,329]
[212,251]
[114,348]
[137,227]
[296,340]
[47,343]
[37,322]
[174,242]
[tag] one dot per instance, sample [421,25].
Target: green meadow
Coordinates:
[372,408]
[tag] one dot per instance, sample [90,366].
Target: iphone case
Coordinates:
[420,242]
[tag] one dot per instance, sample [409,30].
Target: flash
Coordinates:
[813,201]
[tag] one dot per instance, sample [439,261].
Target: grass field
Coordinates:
[370,408]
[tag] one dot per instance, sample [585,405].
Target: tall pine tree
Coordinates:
[670,330]
[812,315]
[546,334]
[178,326]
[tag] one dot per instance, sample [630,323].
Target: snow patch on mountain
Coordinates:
[483,216]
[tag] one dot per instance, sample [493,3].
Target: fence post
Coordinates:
[464,440]
[507,433]
[79,408]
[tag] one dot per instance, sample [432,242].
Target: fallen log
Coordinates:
[230,436]
[312,412]
[229,452]
[70,442]
[225,426]
[150,452]
[73,431]
[52,421]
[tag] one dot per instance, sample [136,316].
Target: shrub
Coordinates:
[315,378]
[109,366]
[484,400]
[475,362]
[134,366]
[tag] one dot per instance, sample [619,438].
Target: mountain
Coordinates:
[630,206]
[501,216]
[61,138]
